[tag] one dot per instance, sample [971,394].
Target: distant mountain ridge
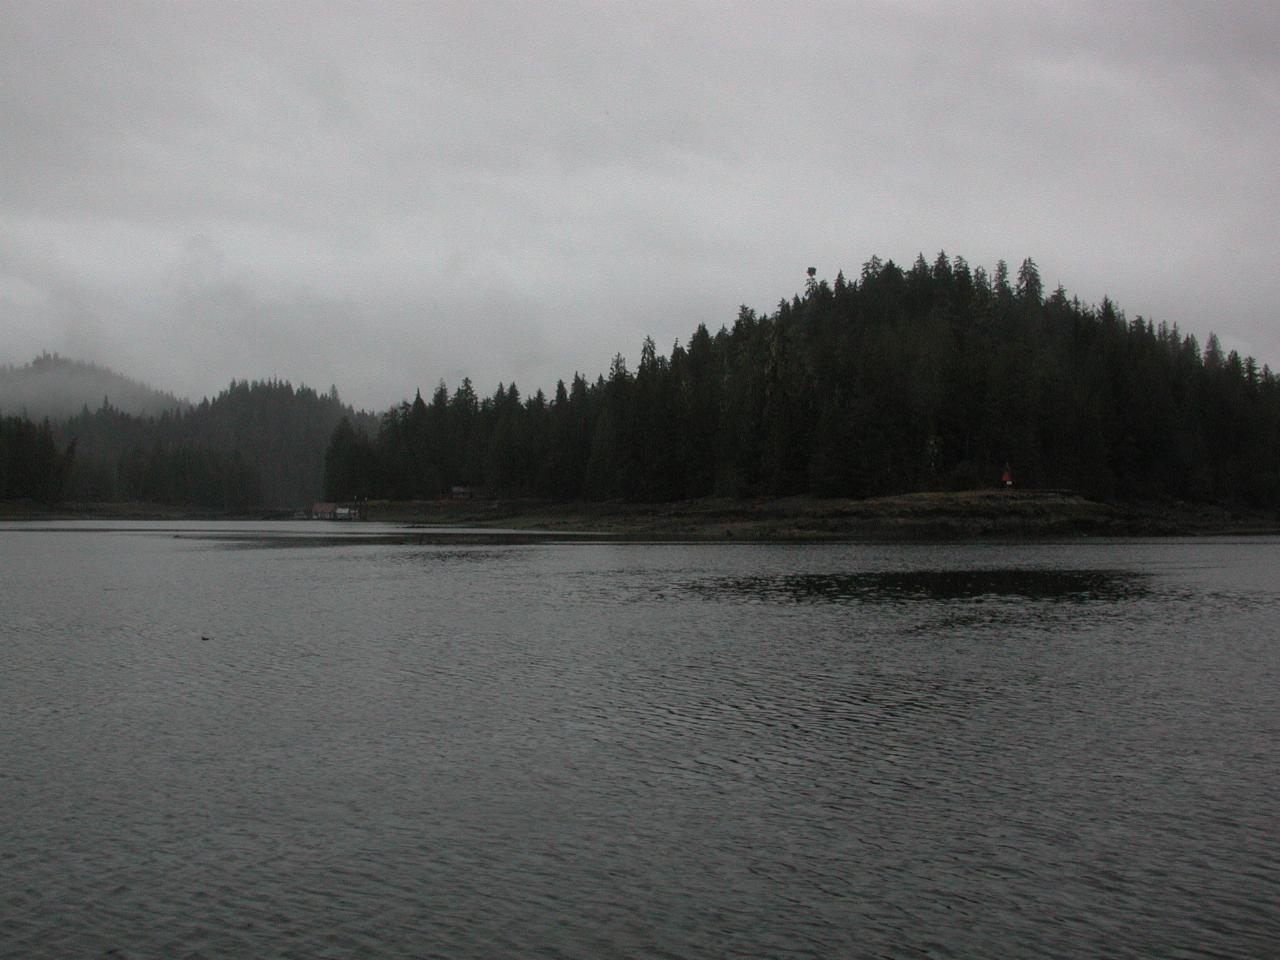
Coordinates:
[257,443]
[110,439]
[58,387]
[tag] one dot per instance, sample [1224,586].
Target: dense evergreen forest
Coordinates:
[258,443]
[31,465]
[934,377]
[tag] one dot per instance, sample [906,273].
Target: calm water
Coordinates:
[298,746]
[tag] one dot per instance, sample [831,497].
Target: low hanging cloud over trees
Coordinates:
[935,377]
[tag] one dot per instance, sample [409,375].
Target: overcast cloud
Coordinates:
[384,195]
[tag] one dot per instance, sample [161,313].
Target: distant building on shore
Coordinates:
[338,511]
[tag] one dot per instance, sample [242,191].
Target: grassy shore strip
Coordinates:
[994,514]
[973,515]
[29,510]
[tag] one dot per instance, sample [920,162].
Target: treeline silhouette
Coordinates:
[933,377]
[257,443]
[928,378]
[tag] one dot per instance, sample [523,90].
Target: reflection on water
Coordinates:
[899,586]
[351,749]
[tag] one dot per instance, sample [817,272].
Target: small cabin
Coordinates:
[338,511]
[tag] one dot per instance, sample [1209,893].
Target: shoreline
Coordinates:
[923,517]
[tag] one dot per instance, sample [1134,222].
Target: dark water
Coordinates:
[390,750]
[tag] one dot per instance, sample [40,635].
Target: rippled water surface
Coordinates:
[342,747]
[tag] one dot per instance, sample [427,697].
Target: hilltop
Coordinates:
[58,387]
[935,381]
[931,379]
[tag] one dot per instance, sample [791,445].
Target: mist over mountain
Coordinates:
[57,387]
[256,443]
[934,377]
[112,439]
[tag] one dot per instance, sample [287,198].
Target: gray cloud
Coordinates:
[383,195]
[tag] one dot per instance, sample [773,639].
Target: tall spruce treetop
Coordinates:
[1030,290]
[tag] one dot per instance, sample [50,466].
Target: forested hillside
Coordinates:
[255,444]
[933,377]
[936,377]
[56,387]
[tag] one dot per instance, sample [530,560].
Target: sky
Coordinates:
[384,195]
